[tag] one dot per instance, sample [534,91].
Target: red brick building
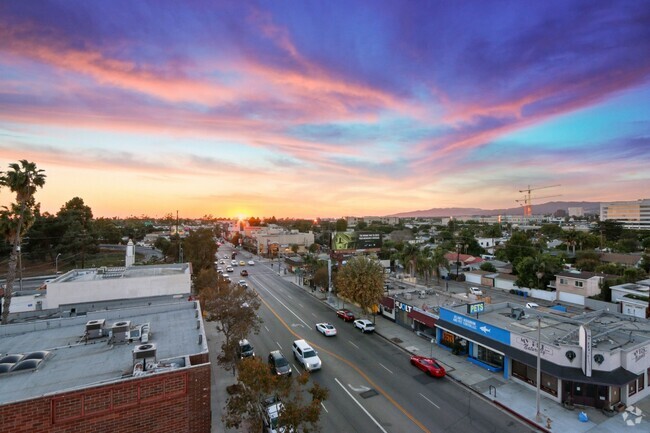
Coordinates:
[98,385]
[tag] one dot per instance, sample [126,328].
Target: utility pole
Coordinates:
[538,415]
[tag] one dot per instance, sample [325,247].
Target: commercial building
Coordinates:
[142,368]
[632,214]
[597,359]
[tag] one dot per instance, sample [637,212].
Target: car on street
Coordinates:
[226,278]
[244,273]
[326,329]
[242,263]
[229,269]
[429,365]
[222,262]
[531,305]
[233,263]
[306,355]
[346,315]
[364,325]
[279,364]
[243,283]
[245,349]
[251,263]
[475,291]
[271,409]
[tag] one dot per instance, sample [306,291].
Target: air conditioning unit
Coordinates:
[120,331]
[95,328]
[144,351]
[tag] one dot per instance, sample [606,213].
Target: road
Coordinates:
[373,388]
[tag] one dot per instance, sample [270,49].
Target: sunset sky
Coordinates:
[325,108]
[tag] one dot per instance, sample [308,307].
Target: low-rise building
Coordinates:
[574,286]
[143,368]
[633,297]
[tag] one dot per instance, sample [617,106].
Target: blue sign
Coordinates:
[476,326]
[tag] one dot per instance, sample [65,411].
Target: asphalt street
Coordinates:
[373,387]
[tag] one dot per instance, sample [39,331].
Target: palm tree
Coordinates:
[22,179]
[439,261]
[410,255]
[571,240]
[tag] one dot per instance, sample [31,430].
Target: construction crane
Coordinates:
[528,198]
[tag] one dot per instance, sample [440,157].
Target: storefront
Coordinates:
[423,323]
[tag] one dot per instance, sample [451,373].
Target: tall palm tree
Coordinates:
[22,179]
[410,255]
[439,261]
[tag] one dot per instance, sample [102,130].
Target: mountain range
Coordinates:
[538,209]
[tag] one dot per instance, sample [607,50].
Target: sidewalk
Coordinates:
[508,394]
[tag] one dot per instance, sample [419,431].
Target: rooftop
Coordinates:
[75,362]
[122,272]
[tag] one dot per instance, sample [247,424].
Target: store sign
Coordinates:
[476,308]
[530,345]
[584,338]
[404,307]
[476,326]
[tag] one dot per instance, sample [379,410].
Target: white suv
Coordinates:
[476,291]
[307,356]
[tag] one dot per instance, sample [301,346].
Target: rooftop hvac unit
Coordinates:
[95,328]
[144,351]
[120,331]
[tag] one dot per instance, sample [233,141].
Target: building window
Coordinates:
[578,283]
[562,281]
[631,388]
[528,374]
[640,382]
[489,357]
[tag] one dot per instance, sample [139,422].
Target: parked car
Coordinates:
[245,349]
[429,365]
[326,329]
[306,355]
[346,315]
[531,305]
[279,364]
[364,325]
[244,273]
[271,408]
[475,291]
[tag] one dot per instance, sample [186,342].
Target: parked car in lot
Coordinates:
[346,315]
[364,325]
[326,329]
[531,305]
[244,273]
[429,365]
[475,291]
[306,355]
[279,364]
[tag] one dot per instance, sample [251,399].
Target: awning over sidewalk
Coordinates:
[422,318]
[618,377]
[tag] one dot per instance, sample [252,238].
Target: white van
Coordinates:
[307,356]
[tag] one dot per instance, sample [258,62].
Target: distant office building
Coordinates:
[576,211]
[632,214]
[140,369]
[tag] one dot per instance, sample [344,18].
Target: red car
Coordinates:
[429,365]
[346,315]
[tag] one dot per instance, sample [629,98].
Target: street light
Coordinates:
[56,262]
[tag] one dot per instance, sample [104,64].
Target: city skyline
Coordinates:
[325,109]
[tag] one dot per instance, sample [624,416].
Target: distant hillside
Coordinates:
[544,209]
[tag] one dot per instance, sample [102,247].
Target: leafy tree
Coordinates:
[552,231]
[488,267]
[587,260]
[341,225]
[234,308]
[611,230]
[645,263]
[256,383]
[362,225]
[199,248]
[79,235]
[537,271]
[205,279]
[295,248]
[43,236]
[492,231]
[107,231]
[361,281]
[22,179]
[518,247]
[313,248]
[321,277]
[627,245]
[611,269]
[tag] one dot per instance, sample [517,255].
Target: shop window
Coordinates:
[549,384]
[490,357]
[631,388]
[640,383]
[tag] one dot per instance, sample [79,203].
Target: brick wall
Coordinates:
[172,402]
